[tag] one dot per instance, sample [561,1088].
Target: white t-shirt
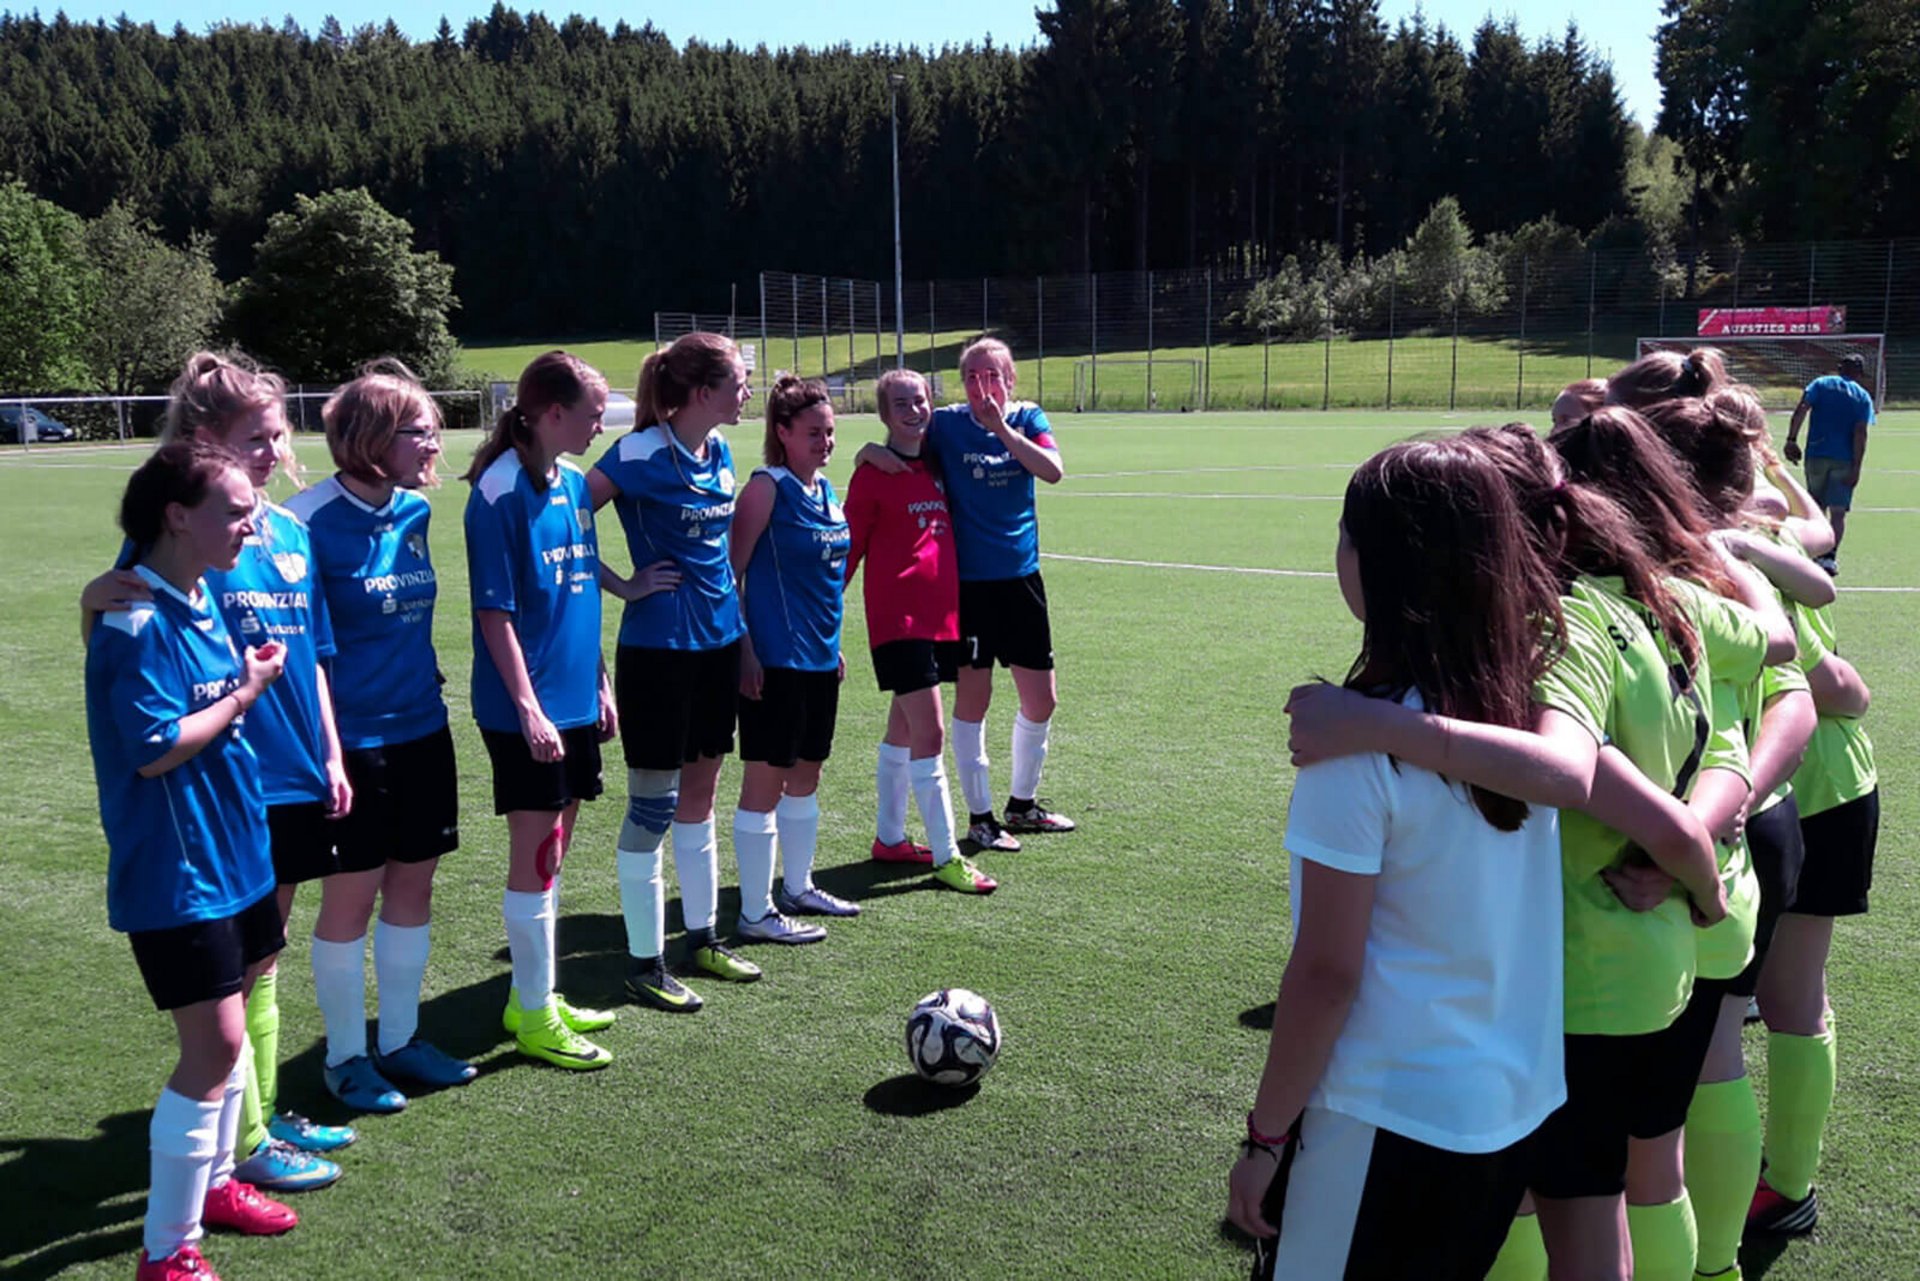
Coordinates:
[1454,1038]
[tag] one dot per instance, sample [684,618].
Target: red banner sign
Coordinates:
[1738,322]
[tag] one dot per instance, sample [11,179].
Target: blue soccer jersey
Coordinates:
[1835,404]
[796,577]
[676,507]
[190,844]
[271,593]
[533,554]
[376,573]
[996,530]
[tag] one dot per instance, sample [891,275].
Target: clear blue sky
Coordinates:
[1621,30]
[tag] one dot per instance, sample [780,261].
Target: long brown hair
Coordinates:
[1714,438]
[1579,530]
[553,378]
[180,471]
[1619,453]
[670,376]
[791,396]
[1459,605]
[1665,375]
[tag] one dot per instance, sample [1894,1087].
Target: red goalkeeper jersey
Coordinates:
[902,530]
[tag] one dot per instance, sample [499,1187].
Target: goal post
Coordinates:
[1779,366]
[1165,382]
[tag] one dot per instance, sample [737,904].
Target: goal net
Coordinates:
[1171,382]
[1779,367]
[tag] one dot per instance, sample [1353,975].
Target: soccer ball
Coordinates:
[952,1037]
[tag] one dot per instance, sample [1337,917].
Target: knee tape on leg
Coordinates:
[652,796]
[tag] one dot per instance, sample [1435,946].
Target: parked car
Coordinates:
[38,426]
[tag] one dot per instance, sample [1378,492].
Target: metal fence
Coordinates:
[24,419]
[1506,329]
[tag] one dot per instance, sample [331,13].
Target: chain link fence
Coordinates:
[1495,328]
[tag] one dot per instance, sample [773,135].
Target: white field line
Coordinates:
[1166,493]
[1206,471]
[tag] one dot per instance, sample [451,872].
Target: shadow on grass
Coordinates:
[870,879]
[1259,1018]
[908,1095]
[56,1193]
[1758,1256]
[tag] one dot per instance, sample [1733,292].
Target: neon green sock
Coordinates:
[1723,1163]
[1725,1274]
[1524,1256]
[1801,1072]
[263,1031]
[1664,1244]
[253,1125]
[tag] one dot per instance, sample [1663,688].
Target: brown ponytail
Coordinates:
[670,376]
[554,378]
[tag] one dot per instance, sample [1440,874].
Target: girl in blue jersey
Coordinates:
[189,876]
[269,592]
[369,532]
[990,450]
[540,690]
[677,673]
[789,553]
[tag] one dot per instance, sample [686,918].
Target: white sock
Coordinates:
[229,1132]
[1029,754]
[753,838]
[892,785]
[643,901]
[400,968]
[182,1140]
[799,820]
[529,919]
[970,759]
[696,861]
[340,989]
[936,806]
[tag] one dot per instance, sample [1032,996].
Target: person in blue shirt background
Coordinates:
[189,877]
[540,689]
[677,672]
[1842,409]
[269,592]
[369,533]
[789,548]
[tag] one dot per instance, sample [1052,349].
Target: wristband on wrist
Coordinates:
[1271,1143]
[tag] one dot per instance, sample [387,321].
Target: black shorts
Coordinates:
[1357,1202]
[302,839]
[905,666]
[522,783]
[676,705]
[1621,1087]
[793,718]
[1774,841]
[406,803]
[207,960]
[1839,868]
[1004,620]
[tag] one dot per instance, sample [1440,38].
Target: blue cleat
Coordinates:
[309,1136]
[423,1063]
[276,1166]
[358,1084]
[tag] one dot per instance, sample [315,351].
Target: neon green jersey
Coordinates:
[1839,763]
[1723,950]
[1783,678]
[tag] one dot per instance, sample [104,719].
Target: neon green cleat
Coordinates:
[959,873]
[577,1018]
[724,963]
[542,1035]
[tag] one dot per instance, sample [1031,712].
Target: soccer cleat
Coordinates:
[184,1264]
[649,983]
[1034,816]
[901,852]
[545,1035]
[987,834]
[278,1166]
[358,1084]
[723,962]
[814,901]
[239,1207]
[1772,1212]
[309,1136]
[424,1063]
[1753,1010]
[777,928]
[578,1018]
[960,874]
[1828,563]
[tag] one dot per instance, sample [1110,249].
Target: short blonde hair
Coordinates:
[993,347]
[884,385]
[363,417]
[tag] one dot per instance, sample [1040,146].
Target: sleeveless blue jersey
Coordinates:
[676,507]
[996,531]
[796,577]
[191,844]
[534,554]
[376,573]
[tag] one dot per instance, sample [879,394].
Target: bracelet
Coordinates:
[1248,1147]
[241,707]
[1269,1142]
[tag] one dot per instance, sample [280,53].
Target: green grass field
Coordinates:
[1132,963]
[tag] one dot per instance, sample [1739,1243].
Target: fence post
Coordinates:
[853,327]
[1206,351]
[1393,290]
[1326,353]
[1453,374]
[1040,337]
[879,343]
[1520,351]
[793,322]
[1813,268]
[1886,297]
[760,361]
[1149,404]
[932,342]
[1593,276]
[656,331]
[1093,335]
[825,324]
[985,327]
[1663,306]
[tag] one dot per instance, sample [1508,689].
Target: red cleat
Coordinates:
[241,1207]
[184,1264]
[902,852]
